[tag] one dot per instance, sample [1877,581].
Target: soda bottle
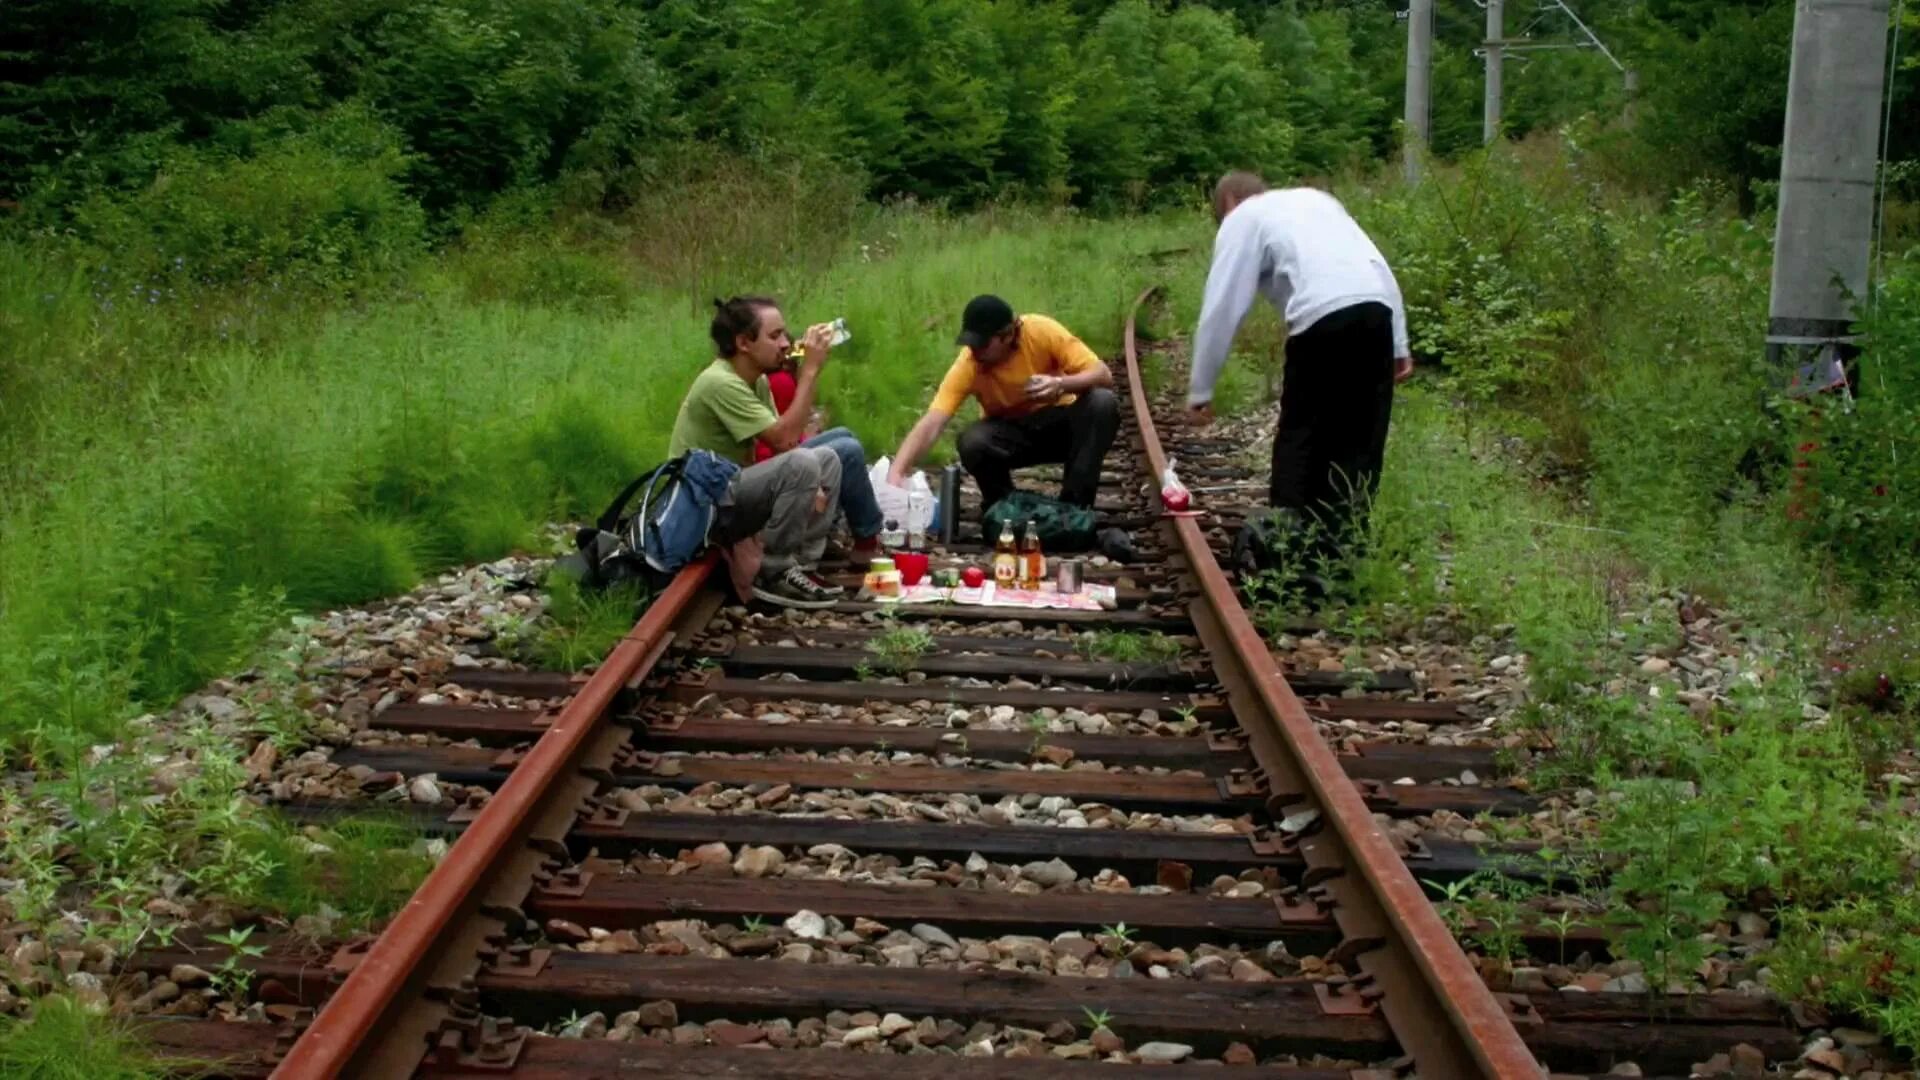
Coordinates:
[1033,564]
[1006,563]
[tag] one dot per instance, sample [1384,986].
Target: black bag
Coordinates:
[1061,526]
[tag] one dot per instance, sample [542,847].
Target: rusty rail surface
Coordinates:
[361,1031]
[1437,1005]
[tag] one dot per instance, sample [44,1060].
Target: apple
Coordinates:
[1174,498]
[973,577]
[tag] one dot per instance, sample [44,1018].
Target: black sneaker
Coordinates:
[796,589]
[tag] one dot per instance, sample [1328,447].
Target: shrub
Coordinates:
[323,207]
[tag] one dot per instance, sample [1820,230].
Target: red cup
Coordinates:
[912,566]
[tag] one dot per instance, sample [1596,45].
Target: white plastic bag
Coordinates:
[911,507]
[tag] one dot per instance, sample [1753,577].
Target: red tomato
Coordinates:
[1175,499]
[973,577]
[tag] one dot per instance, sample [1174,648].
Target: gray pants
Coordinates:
[777,499]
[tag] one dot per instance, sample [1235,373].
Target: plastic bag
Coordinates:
[911,506]
[1174,494]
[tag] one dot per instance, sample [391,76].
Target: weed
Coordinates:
[1128,646]
[1117,939]
[754,924]
[583,626]
[232,978]
[1097,1021]
[899,648]
[62,1040]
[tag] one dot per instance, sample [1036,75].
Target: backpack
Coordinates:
[678,502]
[1061,526]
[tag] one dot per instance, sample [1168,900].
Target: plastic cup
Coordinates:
[912,566]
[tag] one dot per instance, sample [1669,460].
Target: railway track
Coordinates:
[735,849]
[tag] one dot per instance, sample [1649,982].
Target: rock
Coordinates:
[1167,1052]
[751,944]
[424,789]
[1051,873]
[1238,1054]
[1751,924]
[1527,980]
[591,1026]
[657,1014]
[1024,950]
[689,1035]
[1856,1038]
[1748,1062]
[1075,945]
[728,1033]
[564,932]
[187,975]
[772,796]
[1655,665]
[868,1033]
[933,935]
[1625,1068]
[1105,1041]
[1245,970]
[901,956]
[1633,983]
[710,857]
[1075,1051]
[1054,755]
[757,862]
[893,1024]
[622,941]
[807,924]
[259,764]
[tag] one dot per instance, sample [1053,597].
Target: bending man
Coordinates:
[1045,396]
[1346,342]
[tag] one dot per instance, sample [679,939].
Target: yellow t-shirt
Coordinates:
[1045,348]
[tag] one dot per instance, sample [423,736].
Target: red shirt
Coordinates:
[783,385]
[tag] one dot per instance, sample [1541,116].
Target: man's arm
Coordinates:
[1081,369]
[1232,281]
[790,430]
[924,432]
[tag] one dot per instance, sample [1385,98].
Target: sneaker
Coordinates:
[797,589]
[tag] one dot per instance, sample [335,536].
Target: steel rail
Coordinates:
[1432,998]
[354,1033]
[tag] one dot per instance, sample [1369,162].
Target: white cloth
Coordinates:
[1300,249]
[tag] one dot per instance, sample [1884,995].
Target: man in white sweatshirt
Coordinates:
[1346,342]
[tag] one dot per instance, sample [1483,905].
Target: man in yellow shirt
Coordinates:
[1045,396]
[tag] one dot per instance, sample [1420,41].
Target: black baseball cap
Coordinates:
[985,316]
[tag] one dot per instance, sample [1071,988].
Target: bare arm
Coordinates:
[790,430]
[915,444]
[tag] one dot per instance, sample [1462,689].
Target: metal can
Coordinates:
[949,508]
[1068,576]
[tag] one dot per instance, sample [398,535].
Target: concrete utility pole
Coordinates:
[1495,48]
[1828,164]
[1419,79]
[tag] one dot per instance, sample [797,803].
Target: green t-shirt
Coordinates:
[722,414]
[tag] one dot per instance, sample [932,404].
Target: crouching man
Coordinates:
[1045,399]
[787,501]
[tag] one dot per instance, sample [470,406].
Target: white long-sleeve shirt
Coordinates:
[1299,248]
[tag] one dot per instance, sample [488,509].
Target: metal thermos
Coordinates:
[1070,575]
[949,503]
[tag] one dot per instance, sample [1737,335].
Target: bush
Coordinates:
[322,207]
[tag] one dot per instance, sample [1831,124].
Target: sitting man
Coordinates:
[787,500]
[1045,396]
[857,501]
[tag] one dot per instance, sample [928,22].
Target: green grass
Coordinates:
[62,1040]
[898,649]
[1128,646]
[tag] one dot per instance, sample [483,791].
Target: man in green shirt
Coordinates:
[787,500]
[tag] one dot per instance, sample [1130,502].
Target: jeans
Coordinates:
[777,499]
[856,487]
[1077,436]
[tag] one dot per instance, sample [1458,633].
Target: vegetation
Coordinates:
[899,648]
[63,1040]
[1128,646]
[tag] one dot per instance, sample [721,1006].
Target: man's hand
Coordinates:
[816,344]
[1044,388]
[1402,369]
[896,476]
[1200,415]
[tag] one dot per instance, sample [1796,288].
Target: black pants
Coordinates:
[1335,404]
[1076,435]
